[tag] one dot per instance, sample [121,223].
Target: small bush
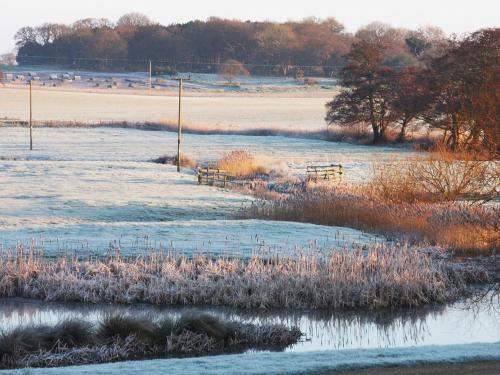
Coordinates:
[186,162]
[439,176]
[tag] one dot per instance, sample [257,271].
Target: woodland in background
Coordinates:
[392,79]
[309,47]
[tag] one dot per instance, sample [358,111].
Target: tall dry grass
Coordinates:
[462,228]
[119,337]
[241,164]
[378,277]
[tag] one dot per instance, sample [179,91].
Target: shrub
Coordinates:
[437,177]
[186,162]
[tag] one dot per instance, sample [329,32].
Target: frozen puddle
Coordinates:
[91,190]
[460,332]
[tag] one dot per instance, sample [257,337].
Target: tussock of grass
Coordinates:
[378,277]
[24,340]
[125,337]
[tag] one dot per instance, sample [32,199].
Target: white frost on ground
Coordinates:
[199,82]
[104,144]
[84,189]
[235,112]
[287,363]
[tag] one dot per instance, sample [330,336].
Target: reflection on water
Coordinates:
[461,323]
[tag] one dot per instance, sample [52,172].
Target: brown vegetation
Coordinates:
[242,164]
[186,162]
[373,277]
[120,337]
[454,226]
[172,126]
[231,69]
[439,176]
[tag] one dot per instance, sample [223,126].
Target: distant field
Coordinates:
[238,112]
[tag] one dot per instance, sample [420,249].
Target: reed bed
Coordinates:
[119,338]
[377,277]
[461,228]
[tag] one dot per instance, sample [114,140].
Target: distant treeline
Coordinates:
[309,47]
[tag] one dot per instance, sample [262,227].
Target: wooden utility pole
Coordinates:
[179,122]
[150,76]
[31,114]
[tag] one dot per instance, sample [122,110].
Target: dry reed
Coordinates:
[241,164]
[378,277]
[458,227]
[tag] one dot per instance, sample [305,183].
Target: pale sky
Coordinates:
[453,16]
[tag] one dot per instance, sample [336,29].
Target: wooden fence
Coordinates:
[332,172]
[214,176]
[5,121]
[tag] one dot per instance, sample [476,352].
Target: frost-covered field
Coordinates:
[235,112]
[199,82]
[84,189]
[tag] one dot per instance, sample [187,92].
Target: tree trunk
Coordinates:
[402,133]
[377,137]
[373,120]
[454,132]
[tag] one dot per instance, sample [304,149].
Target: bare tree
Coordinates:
[230,69]
[134,20]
